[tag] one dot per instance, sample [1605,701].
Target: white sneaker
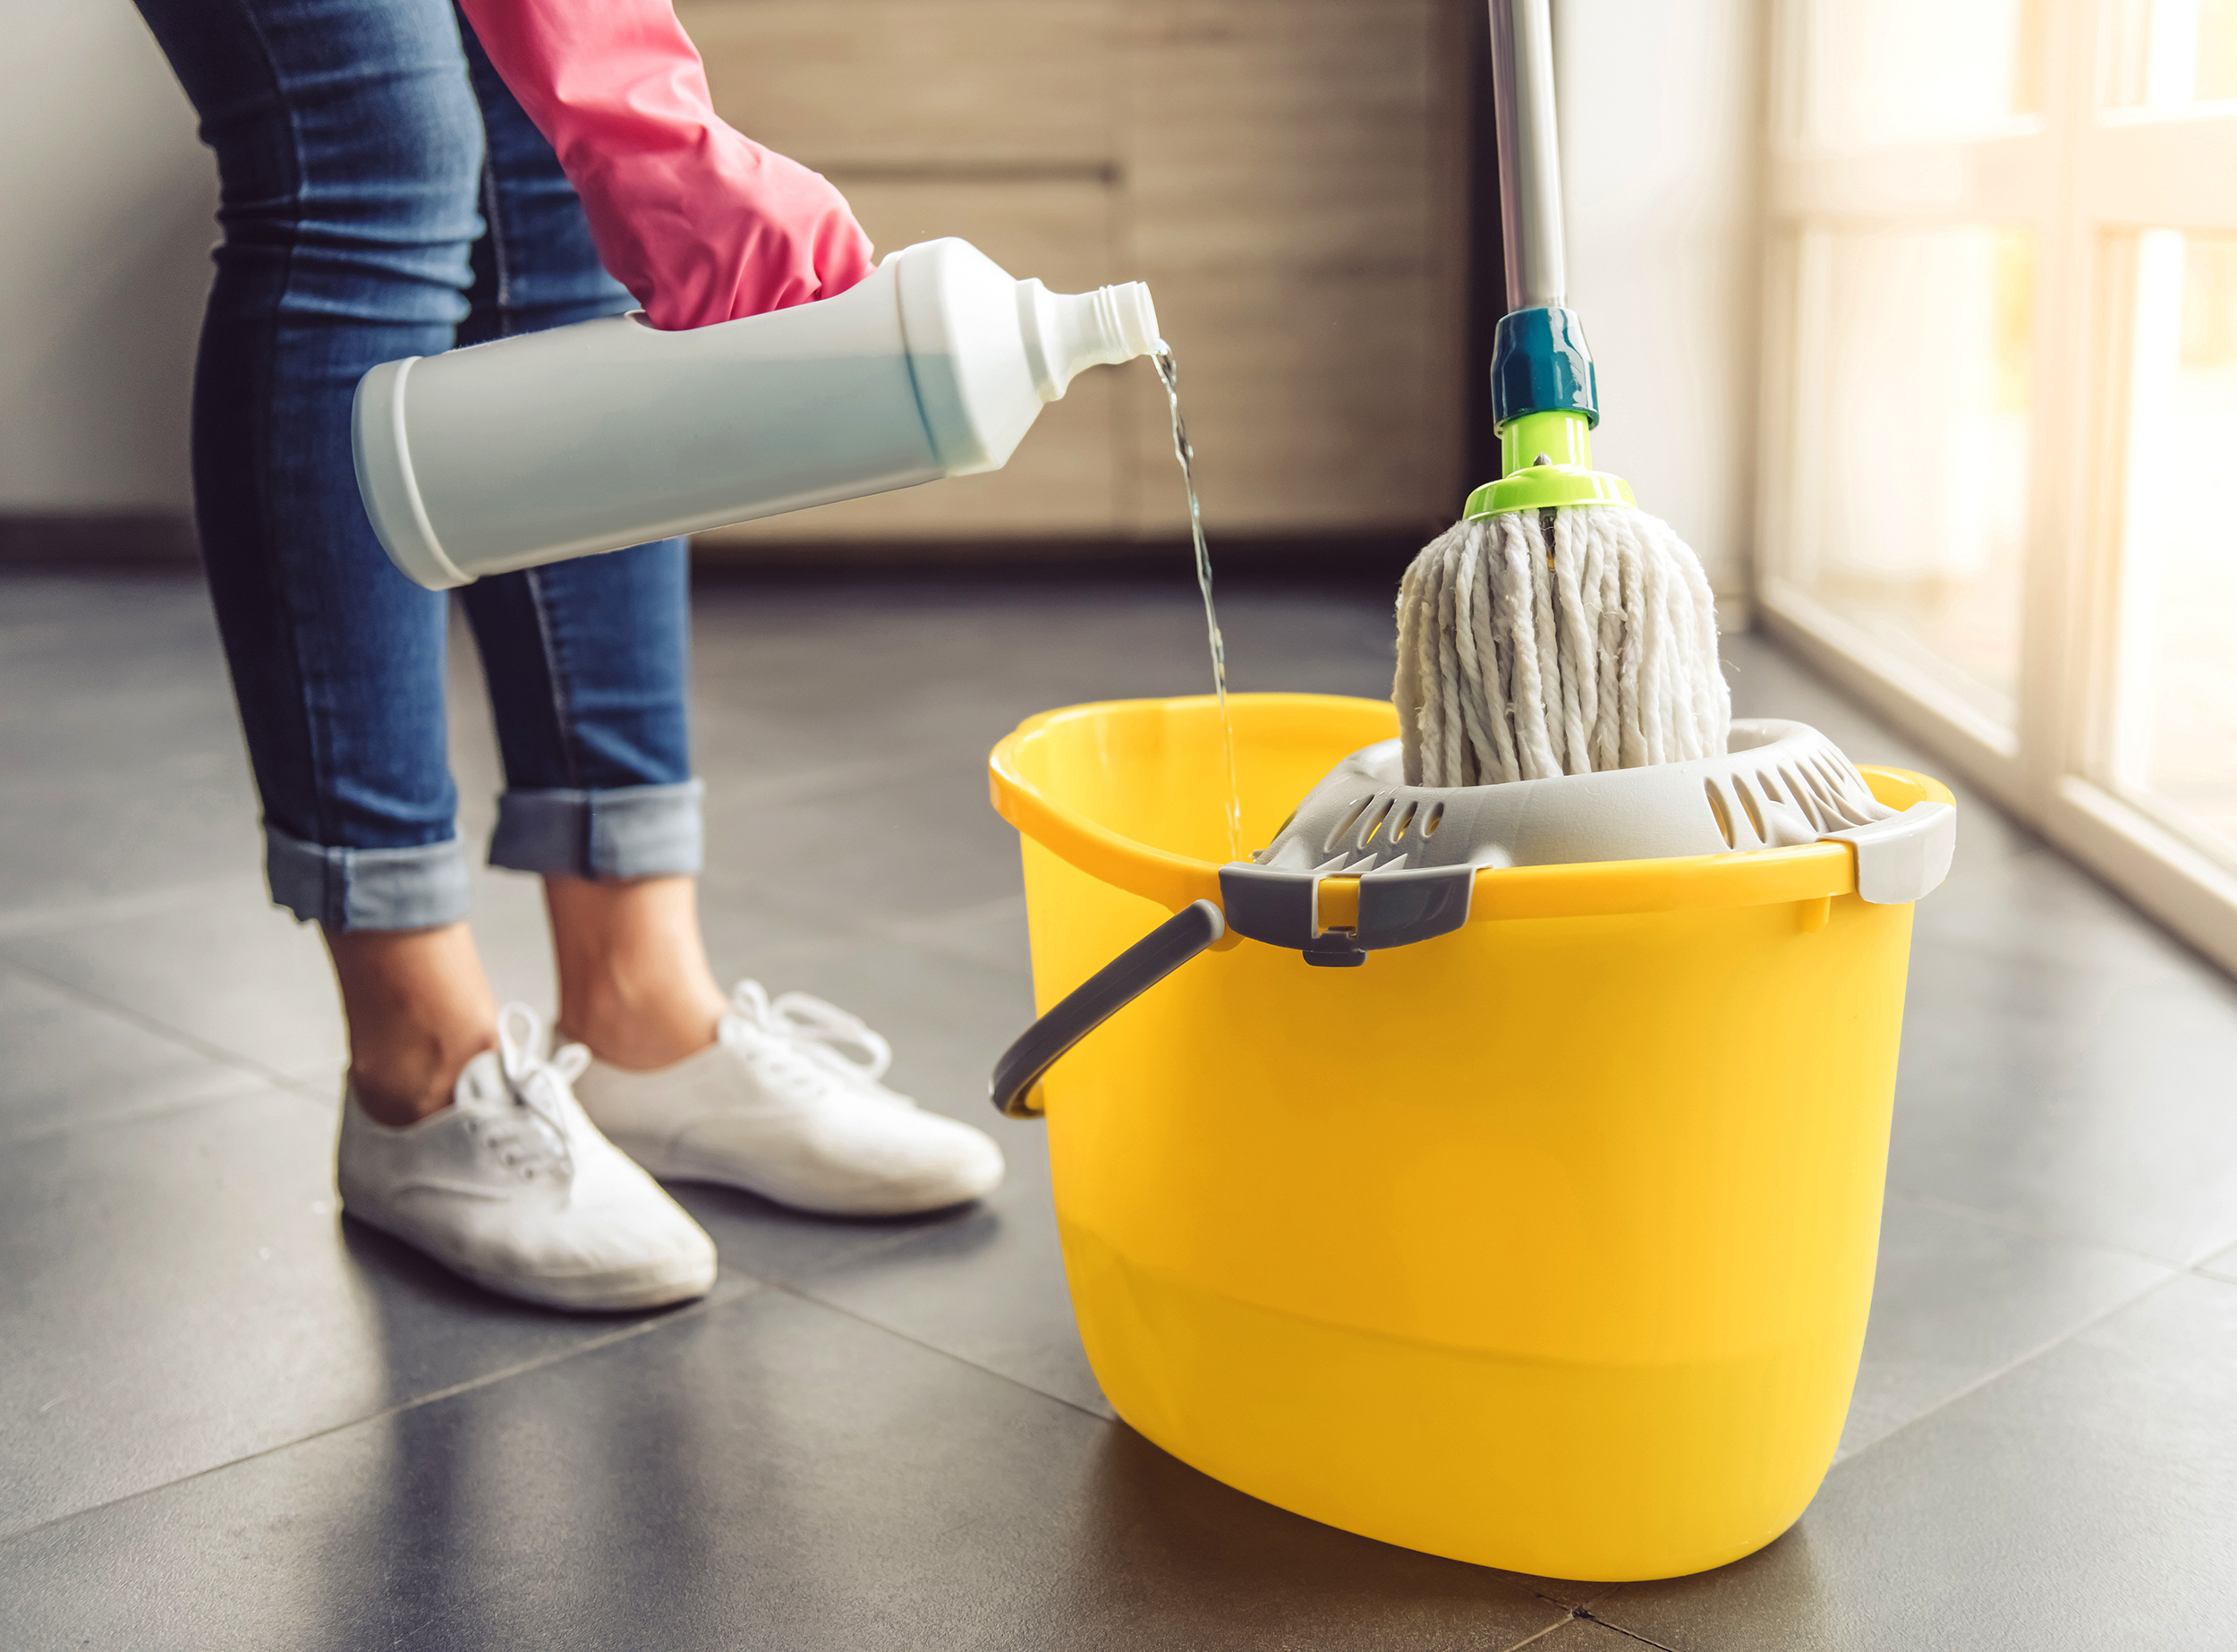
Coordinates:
[514,1187]
[787,1103]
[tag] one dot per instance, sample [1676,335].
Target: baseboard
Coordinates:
[96,539]
[1378,558]
[156,539]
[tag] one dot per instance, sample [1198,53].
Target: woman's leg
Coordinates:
[634,983]
[588,663]
[349,147]
[418,1008]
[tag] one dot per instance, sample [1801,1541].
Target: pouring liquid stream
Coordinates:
[1169,375]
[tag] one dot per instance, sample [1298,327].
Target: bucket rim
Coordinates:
[1588,888]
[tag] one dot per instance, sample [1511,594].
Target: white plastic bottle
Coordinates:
[610,432]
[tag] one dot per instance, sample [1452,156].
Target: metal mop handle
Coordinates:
[1529,151]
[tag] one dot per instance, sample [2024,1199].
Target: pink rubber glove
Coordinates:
[700,223]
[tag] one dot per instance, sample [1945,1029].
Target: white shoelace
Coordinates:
[841,1043]
[534,1135]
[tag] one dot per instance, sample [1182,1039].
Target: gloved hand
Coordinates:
[700,223]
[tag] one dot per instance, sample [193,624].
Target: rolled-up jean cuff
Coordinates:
[628,831]
[414,888]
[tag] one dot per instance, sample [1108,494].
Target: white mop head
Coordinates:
[1512,669]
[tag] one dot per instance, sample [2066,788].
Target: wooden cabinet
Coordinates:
[1288,175]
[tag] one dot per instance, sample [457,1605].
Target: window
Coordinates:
[1999,431]
[1914,436]
[2170,745]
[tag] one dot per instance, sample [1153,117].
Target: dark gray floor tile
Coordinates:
[117,734]
[1584,1634]
[916,668]
[67,840]
[2061,1056]
[69,1063]
[2083,1500]
[986,1285]
[1300,639]
[96,644]
[993,934]
[1958,1297]
[227,968]
[179,1291]
[828,1467]
[758,740]
[270,1000]
[2075,1086]
[922,841]
[124,726]
[767,1474]
[771,1241]
[130,905]
[785,686]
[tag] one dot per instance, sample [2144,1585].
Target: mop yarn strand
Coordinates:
[1537,643]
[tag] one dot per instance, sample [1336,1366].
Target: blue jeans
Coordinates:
[383,196]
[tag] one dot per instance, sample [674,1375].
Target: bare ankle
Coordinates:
[639,1032]
[418,1009]
[401,1086]
[634,982]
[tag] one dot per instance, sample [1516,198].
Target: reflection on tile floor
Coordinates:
[226,1420]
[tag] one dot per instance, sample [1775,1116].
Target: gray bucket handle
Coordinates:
[1096,1000]
[1280,908]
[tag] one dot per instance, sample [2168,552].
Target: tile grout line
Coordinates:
[2028,1230]
[1583,1614]
[2011,1365]
[712,1302]
[149,1024]
[1632,1634]
[244,1086]
[798,1294]
[1552,1628]
[474,1598]
[848,1258]
[29,922]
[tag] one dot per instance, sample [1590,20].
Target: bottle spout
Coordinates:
[1068,332]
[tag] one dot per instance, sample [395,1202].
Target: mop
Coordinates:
[1556,628]
[1557,692]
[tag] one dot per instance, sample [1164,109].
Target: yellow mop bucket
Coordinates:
[1546,1243]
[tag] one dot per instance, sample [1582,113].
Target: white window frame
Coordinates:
[2083,179]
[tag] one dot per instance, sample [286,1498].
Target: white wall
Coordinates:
[1662,117]
[107,199]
